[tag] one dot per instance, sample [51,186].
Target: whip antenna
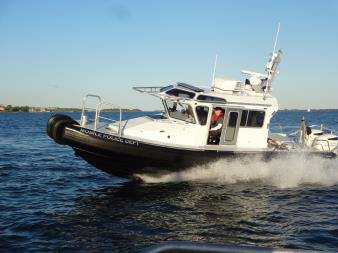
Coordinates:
[271,66]
[276,39]
[213,74]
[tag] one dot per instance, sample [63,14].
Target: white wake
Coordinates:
[286,172]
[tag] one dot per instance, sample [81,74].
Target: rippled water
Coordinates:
[51,200]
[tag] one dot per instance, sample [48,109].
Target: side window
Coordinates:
[202,114]
[255,119]
[211,99]
[244,118]
[252,118]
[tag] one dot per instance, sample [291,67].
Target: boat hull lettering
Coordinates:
[108,137]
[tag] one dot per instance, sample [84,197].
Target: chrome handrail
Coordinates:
[98,110]
[113,106]
[84,108]
[148,89]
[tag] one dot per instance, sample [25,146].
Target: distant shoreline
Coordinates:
[136,110]
[305,110]
[57,109]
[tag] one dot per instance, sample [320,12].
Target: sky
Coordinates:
[52,53]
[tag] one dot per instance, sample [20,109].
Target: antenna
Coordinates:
[271,66]
[276,39]
[213,74]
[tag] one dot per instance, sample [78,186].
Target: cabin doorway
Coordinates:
[216,125]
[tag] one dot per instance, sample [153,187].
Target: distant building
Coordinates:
[2,107]
[37,109]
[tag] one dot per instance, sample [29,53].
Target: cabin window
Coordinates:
[244,118]
[252,118]
[211,99]
[163,89]
[318,134]
[190,87]
[180,111]
[180,93]
[255,119]
[202,114]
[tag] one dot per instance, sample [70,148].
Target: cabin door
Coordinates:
[231,123]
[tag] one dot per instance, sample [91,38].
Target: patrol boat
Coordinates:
[186,134]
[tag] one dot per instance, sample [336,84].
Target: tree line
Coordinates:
[10,108]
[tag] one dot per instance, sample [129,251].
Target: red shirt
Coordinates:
[215,117]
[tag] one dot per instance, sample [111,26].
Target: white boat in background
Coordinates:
[312,138]
[318,138]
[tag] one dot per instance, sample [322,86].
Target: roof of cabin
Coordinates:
[190,92]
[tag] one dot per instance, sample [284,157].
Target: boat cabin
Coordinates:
[195,117]
[230,115]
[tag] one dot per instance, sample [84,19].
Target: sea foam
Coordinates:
[283,172]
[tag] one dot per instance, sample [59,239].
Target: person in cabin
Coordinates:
[216,125]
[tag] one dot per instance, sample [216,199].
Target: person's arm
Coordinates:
[217,127]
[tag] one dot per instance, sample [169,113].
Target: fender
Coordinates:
[57,128]
[51,122]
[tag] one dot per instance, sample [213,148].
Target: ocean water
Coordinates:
[52,201]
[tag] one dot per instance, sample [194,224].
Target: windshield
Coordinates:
[180,111]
